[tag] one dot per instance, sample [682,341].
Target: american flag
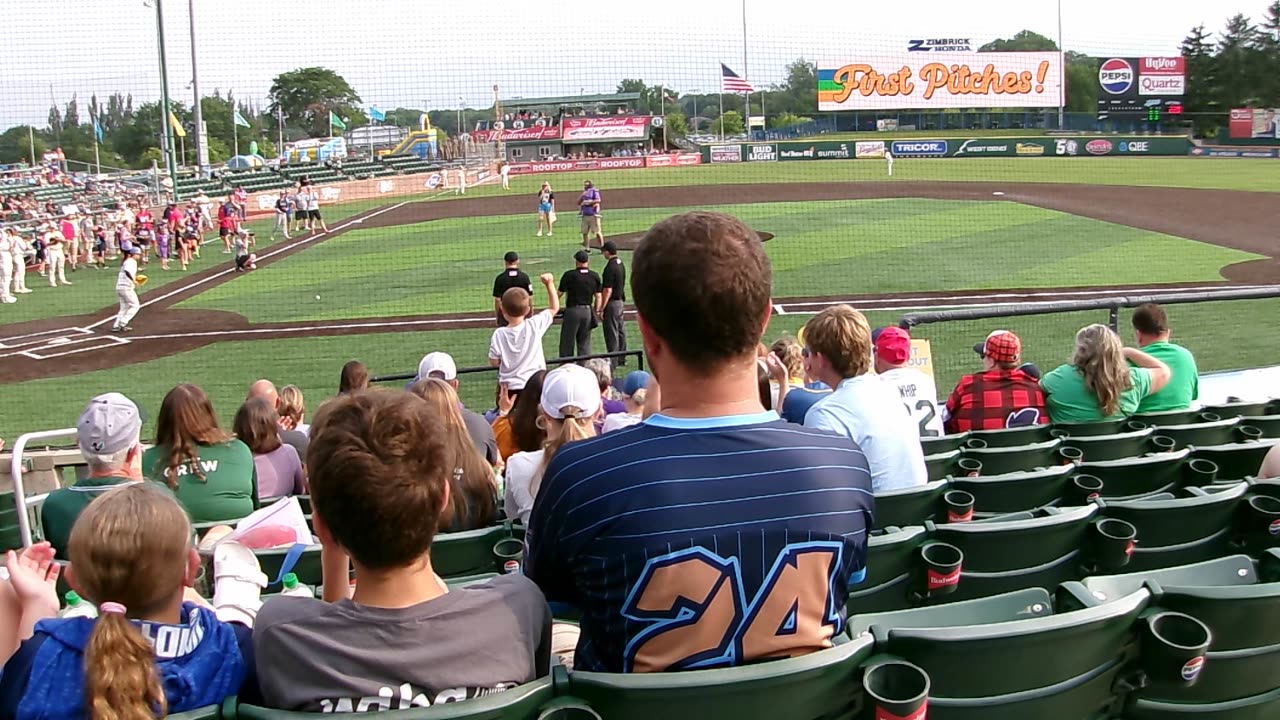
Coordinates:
[730,82]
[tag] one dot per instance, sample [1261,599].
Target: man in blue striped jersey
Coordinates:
[713,533]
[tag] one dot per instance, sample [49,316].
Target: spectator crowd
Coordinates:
[729,460]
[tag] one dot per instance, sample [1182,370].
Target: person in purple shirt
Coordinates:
[589,205]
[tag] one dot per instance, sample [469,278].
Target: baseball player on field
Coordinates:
[127,283]
[888,158]
[7,250]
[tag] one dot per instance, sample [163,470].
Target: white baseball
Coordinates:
[317,297]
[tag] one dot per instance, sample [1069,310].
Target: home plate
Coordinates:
[59,341]
[997,193]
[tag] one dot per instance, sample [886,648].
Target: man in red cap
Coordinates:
[1003,395]
[918,393]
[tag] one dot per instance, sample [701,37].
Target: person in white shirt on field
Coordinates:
[127,288]
[21,247]
[915,388]
[505,171]
[888,158]
[862,407]
[55,256]
[516,349]
[7,250]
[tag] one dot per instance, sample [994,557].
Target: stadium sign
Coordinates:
[1255,123]
[1028,149]
[1129,86]
[1099,147]
[762,153]
[981,147]
[726,154]
[871,149]
[943,45]
[913,80]
[919,148]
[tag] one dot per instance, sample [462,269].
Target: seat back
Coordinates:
[1238,460]
[998,460]
[1090,429]
[10,536]
[524,702]
[1244,408]
[1012,437]
[892,561]
[1015,491]
[1229,571]
[1168,417]
[308,568]
[1111,447]
[1061,666]
[820,685]
[466,553]
[1217,432]
[941,466]
[1134,477]
[1268,425]
[910,506]
[1182,530]
[1259,707]
[1017,605]
[1001,557]
[943,443]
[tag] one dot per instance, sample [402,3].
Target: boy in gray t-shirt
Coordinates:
[379,480]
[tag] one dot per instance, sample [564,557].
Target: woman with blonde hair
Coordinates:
[1103,380]
[210,471]
[150,652]
[292,409]
[567,410]
[473,501]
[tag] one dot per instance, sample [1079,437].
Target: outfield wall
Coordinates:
[1031,146]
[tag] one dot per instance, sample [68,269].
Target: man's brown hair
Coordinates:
[379,474]
[1150,319]
[841,335]
[515,302]
[702,281]
[257,425]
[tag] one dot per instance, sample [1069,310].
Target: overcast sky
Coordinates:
[403,53]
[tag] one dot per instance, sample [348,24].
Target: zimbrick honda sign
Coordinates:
[1137,85]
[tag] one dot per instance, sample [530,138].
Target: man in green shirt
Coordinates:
[108,434]
[1151,329]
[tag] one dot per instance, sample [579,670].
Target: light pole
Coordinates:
[1062,91]
[693,121]
[462,103]
[166,139]
[202,145]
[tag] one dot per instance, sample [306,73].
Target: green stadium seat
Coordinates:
[10,536]
[943,443]
[466,553]
[1135,477]
[1267,425]
[1259,707]
[942,465]
[1001,557]
[1217,432]
[1168,417]
[1013,436]
[1060,666]
[1243,408]
[1012,458]
[820,685]
[211,712]
[308,568]
[1227,571]
[1236,461]
[911,506]
[1182,530]
[892,562]
[1102,427]
[1015,491]
[1018,605]
[1112,447]
[519,703]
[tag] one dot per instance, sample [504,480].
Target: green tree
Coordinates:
[1238,63]
[1268,48]
[71,116]
[677,125]
[787,119]
[1199,100]
[15,144]
[731,123]
[798,94]
[306,96]
[1024,41]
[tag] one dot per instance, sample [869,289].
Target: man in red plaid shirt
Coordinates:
[1001,396]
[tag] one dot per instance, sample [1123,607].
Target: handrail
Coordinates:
[15,470]
[639,354]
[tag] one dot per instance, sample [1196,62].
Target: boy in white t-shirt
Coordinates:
[919,394]
[516,350]
[127,288]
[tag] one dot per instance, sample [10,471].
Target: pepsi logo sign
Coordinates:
[1116,76]
[1191,670]
[1274,528]
[1098,147]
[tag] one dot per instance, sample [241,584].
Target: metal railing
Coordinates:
[638,354]
[20,500]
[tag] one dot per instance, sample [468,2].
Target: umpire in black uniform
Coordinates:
[581,288]
[513,276]
[613,300]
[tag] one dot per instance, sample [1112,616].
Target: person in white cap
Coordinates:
[7,251]
[55,256]
[440,365]
[109,434]
[570,403]
[127,289]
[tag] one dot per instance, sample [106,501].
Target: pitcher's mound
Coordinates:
[629,241]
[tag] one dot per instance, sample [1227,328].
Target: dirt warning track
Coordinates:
[70,345]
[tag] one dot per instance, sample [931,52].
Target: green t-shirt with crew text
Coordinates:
[1184,379]
[227,490]
[1069,400]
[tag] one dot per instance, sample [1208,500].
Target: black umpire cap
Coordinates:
[581,256]
[610,247]
[511,257]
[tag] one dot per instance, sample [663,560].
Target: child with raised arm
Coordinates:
[516,349]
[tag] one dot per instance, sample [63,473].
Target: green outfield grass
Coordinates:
[820,248]
[1215,332]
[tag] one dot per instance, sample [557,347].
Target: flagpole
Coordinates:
[721,109]
[235,129]
[745,74]
[280,128]
[31,143]
[97,160]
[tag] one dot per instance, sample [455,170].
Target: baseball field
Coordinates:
[393,280]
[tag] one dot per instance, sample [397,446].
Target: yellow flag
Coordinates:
[177,126]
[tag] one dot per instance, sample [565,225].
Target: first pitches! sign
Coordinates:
[918,80]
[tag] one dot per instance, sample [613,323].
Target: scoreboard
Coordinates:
[1147,88]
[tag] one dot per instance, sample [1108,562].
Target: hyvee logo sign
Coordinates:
[943,45]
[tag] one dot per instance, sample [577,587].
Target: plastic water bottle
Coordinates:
[295,588]
[77,606]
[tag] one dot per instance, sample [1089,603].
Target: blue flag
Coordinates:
[239,120]
[376,114]
[97,130]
